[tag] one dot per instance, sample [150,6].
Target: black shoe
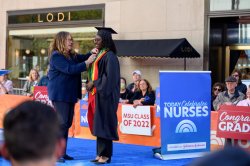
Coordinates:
[105,162]
[95,160]
[67,157]
[61,160]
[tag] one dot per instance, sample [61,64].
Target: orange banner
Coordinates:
[9,101]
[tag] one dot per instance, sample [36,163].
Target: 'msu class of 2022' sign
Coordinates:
[136,120]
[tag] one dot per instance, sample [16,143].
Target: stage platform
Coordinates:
[83,150]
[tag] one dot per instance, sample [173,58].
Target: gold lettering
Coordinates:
[39,18]
[50,17]
[60,16]
[69,17]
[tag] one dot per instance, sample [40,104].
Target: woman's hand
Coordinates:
[90,60]
[136,103]
[89,86]
[94,51]
[124,101]
[29,94]
[142,99]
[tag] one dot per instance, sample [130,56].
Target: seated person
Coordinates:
[217,88]
[28,88]
[125,94]
[45,79]
[144,96]
[245,102]
[6,86]
[32,135]
[240,86]
[132,87]
[230,96]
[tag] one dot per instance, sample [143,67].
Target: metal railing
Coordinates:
[17,91]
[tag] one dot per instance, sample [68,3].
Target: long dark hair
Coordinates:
[107,41]
[124,81]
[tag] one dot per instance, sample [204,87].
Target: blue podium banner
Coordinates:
[83,113]
[157,102]
[185,113]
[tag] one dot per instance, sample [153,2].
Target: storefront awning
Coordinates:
[164,48]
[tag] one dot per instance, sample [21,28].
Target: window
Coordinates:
[30,47]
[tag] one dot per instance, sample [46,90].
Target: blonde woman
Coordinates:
[64,85]
[32,81]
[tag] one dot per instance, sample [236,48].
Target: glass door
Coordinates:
[29,49]
[238,56]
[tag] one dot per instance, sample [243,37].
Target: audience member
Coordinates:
[40,72]
[144,96]
[217,88]
[230,156]
[125,94]
[230,96]
[6,86]
[132,87]
[28,88]
[240,86]
[45,79]
[32,135]
[245,102]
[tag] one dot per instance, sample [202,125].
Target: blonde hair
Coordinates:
[30,75]
[59,44]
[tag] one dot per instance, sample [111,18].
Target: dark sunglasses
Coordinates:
[218,89]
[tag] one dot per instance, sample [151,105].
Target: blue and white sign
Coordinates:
[185,113]
[84,113]
[157,102]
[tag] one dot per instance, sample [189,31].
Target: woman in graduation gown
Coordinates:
[104,87]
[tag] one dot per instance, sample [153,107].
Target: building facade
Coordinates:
[217,29]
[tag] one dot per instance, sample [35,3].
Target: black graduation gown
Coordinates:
[107,97]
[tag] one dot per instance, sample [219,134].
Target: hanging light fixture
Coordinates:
[27,51]
[76,50]
[43,51]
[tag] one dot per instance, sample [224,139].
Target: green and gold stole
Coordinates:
[93,71]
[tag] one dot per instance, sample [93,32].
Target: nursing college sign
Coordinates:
[185,113]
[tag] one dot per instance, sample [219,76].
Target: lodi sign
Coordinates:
[41,94]
[234,122]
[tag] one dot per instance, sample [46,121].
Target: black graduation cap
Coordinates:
[106,29]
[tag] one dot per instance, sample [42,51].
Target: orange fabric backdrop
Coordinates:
[9,101]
